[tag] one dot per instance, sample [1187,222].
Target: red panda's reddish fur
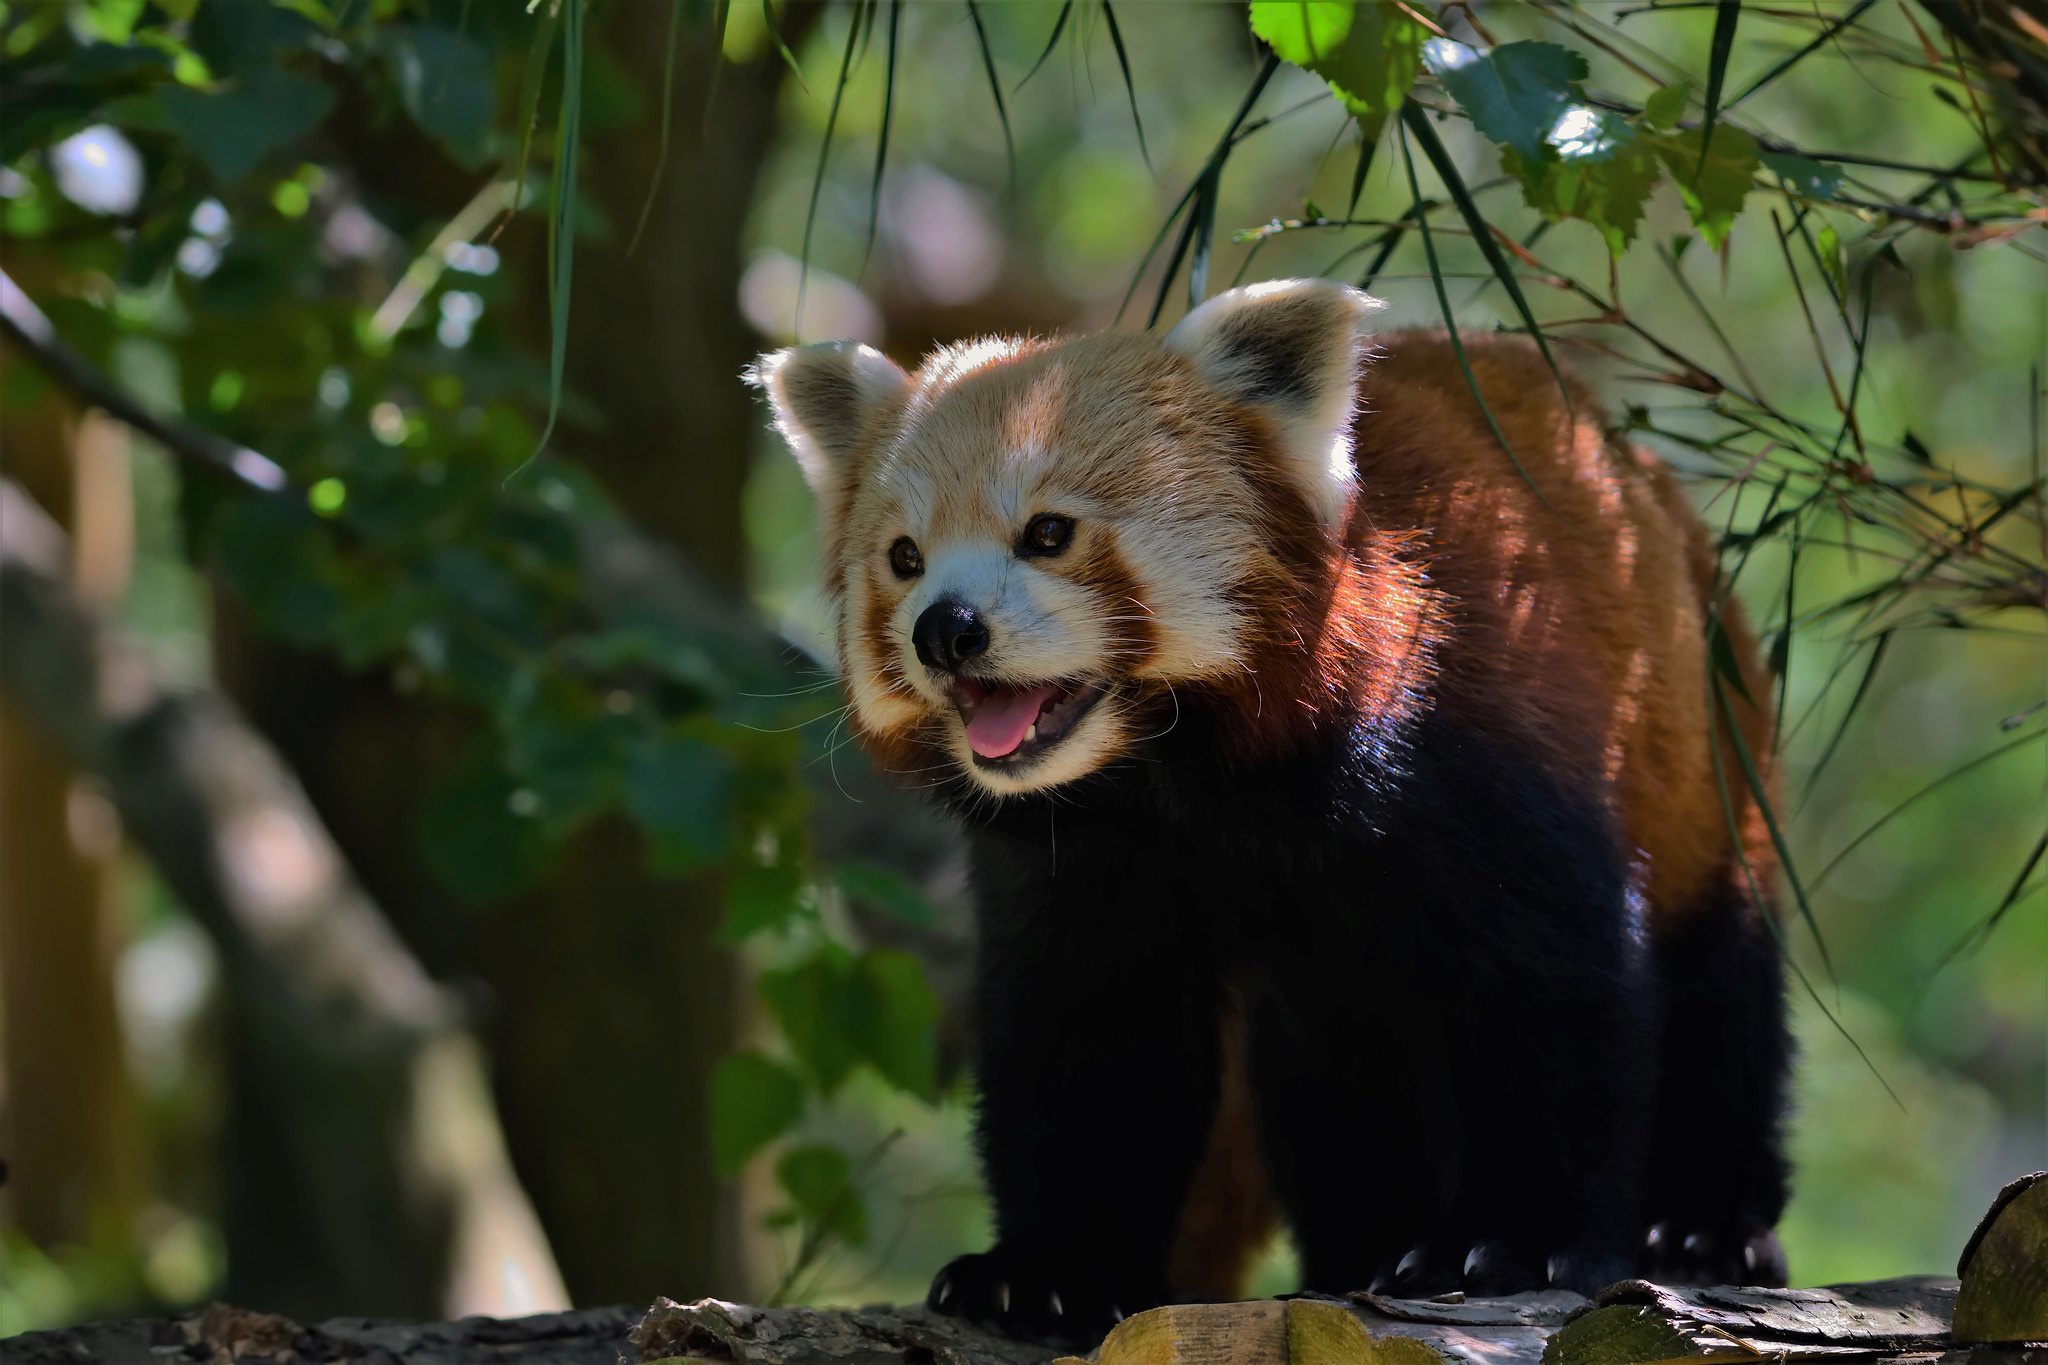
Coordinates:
[1573,624]
[1546,613]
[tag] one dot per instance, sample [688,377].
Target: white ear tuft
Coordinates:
[824,398]
[1294,349]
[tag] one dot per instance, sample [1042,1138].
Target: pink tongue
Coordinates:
[1000,720]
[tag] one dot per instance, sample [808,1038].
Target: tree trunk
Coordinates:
[70,1128]
[368,1111]
[608,998]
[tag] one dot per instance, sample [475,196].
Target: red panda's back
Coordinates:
[1580,615]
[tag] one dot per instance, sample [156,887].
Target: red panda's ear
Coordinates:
[825,398]
[1292,348]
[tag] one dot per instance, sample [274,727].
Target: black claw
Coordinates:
[1024,1296]
[1714,1256]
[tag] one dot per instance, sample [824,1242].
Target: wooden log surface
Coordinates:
[1634,1323]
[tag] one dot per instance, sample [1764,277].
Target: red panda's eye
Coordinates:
[1047,535]
[905,558]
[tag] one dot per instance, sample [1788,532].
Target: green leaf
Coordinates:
[754,1100]
[1663,109]
[819,1180]
[839,1011]
[473,837]
[233,131]
[281,561]
[1721,650]
[886,890]
[562,746]
[897,1020]
[236,39]
[376,624]
[762,900]
[679,789]
[110,21]
[1304,32]
[1813,179]
[1832,258]
[47,102]
[815,1002]
[1600,169]
[1514,94]
[1370,54]
[1714,185]
[637,641]
[444,77]
[1417,124]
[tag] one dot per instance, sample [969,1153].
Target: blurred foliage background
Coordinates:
[433,874]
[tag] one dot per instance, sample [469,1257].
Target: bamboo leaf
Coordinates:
[1180,248]
[1443,299]
[1123,63]
[562,213]
[1204,220]
[1726,15]
[1760,793]
[1416,121]
[1059,26]
[1213,166]
[1985,927]
[788,58]
[1821,39]
[818,174]
[1927,790]
[1760,897]
[668,90]
[995,90]
[882,138]
[721,13]
[1368,147]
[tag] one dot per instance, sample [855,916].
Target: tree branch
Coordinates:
[364,1054]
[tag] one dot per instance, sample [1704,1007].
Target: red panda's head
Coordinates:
[1036,549]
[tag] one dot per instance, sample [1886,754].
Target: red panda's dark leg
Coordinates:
[1718,1170]
[1474,997]
[1097,1059]
[1351,1128]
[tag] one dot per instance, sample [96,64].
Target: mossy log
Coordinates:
[2004,1267]
[1892,1322]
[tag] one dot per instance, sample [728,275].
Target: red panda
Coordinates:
[1357,823]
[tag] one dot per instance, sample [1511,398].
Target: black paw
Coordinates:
[1036,1298]
[1492,1267]
[1676,1255]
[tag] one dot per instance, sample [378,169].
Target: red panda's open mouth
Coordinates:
[1011,722]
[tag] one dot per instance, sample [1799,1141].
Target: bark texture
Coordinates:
[1631,1324]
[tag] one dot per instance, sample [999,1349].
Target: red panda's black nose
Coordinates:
[948,633]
